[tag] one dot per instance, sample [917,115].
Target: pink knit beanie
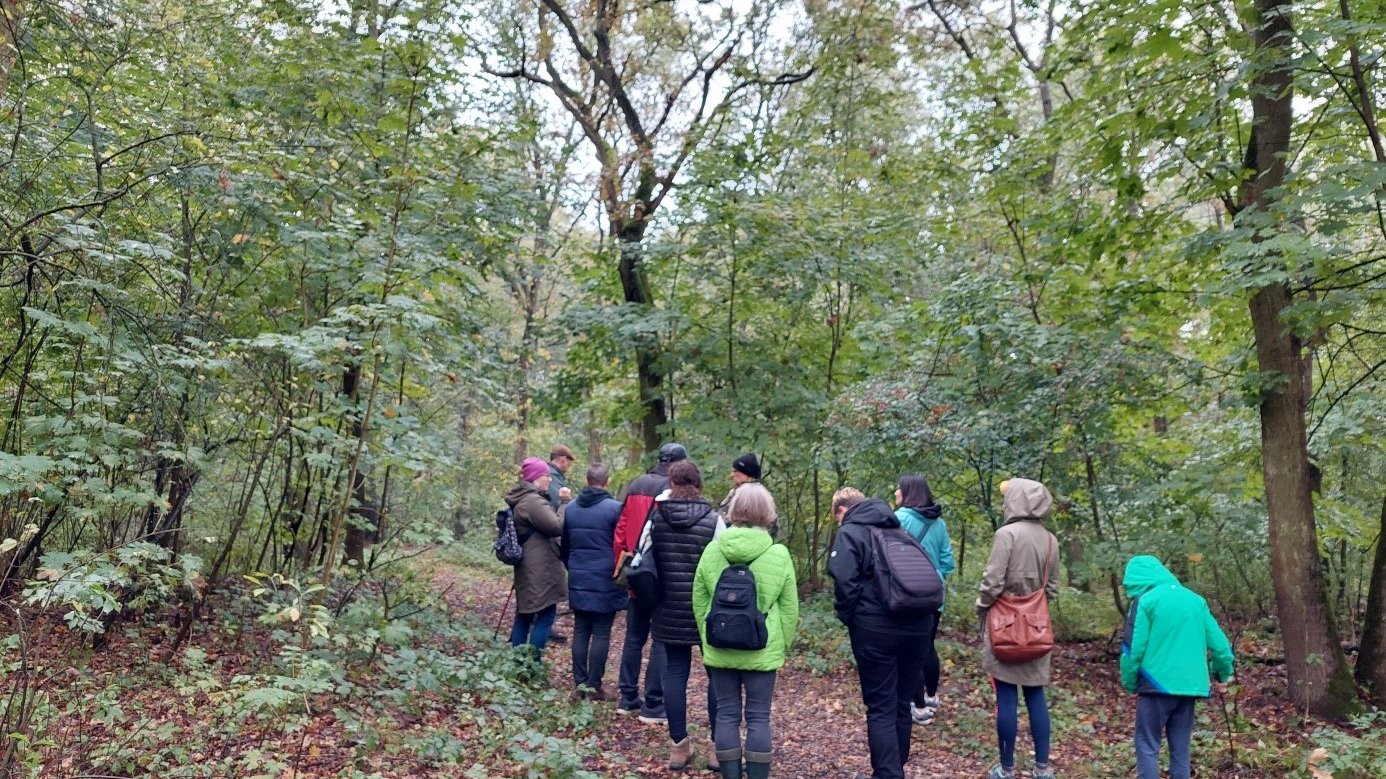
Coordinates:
[533,468]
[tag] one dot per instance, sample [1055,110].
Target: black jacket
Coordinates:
[651,483]
[856,598]
[681,529]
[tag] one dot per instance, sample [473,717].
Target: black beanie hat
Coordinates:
[747,464]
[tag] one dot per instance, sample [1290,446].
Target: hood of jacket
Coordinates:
[520,490]
[740,545]
[872,511]
[683,514]
[591,496]
[1026,499]
[1144,573]
[932,512]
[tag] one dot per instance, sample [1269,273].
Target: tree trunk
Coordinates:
[527,295]
[1371,660]
[636,289]
[11,27]
[594,440]
[1318,675]
[364,513]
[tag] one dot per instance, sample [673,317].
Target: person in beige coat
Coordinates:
[1021,551]
[541,580]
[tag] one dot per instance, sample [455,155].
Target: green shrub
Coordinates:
[1349,755]
[821,645]
[1083,616]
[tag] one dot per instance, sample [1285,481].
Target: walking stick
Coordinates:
[1227,719]
[496,633]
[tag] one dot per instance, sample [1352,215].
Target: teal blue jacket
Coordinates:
[1169,634]
[932,534]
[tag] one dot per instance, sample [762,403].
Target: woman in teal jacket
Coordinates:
[734,671]
[922,517]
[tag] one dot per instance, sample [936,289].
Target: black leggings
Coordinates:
[931,666]
[678,666]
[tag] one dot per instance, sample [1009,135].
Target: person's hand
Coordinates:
[1221,687]
[565,494]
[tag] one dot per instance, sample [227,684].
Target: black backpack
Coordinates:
[735,620]
[509,546]
[908,582]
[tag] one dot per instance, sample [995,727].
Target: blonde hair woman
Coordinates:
[743,680]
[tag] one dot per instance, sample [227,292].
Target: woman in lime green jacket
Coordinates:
[749,671]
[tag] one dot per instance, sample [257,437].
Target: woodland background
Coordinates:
[288,287]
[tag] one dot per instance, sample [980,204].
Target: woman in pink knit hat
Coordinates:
[541,581]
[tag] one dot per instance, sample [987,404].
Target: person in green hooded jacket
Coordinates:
[734,672]
[1164,659]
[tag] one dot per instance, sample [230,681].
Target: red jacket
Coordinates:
[635,509]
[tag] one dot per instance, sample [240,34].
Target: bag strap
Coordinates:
[1048,561]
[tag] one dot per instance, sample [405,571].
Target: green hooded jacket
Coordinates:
[1169,632]
[777,596]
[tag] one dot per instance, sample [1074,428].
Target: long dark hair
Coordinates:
[915,493]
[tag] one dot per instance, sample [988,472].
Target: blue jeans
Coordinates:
[1007,715]
[677,668]
[637,632]
[591,642]
[533,628]
[890,666]
[759,687]
[1158,716]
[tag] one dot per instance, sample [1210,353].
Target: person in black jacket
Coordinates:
[680,528]
[635,510]
[889,649]
[588,525]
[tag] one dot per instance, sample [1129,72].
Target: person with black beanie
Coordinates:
[745,470]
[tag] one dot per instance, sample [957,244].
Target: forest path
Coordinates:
[818,719]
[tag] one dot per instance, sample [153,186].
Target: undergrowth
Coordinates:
[374,677]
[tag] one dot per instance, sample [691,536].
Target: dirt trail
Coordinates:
[818,721]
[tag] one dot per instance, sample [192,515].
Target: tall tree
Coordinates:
[647,84]
[11,26]
[1319,676]
[1371,659]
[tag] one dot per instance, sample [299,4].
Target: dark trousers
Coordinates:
[533,628]
[678,666]
[637,632]
[1157,717]
[890,666]
[1008,714]
[591,642]
[728,686]
[929,686]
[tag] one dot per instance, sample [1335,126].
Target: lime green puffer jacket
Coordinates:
[1169,633]
[777,596]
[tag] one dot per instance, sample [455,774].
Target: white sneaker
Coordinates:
[931,702]
[921,716]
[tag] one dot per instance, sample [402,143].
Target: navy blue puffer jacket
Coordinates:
[588,526]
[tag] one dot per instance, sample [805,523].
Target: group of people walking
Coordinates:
[710,562]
